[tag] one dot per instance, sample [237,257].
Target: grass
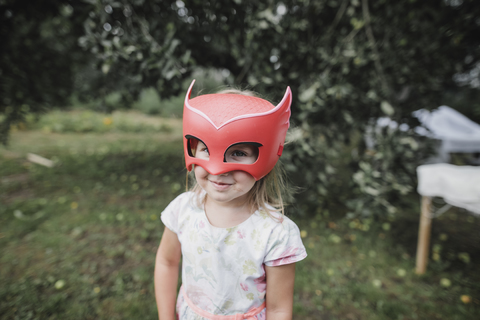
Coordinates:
[364,270]
[84,121]
[78,241]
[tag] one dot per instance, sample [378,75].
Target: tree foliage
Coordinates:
[38,56]
[347,61]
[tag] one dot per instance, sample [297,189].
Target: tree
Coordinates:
[347,62]
[38,56]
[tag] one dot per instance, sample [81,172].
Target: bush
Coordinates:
[386,174]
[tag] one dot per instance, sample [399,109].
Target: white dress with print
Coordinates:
[223,268]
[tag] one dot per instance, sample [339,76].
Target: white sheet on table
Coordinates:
[457,132]
[457,185]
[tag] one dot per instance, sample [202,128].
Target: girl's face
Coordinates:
[230,187]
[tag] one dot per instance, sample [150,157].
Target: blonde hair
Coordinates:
[267,193]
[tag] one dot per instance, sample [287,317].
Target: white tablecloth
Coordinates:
[457,132]
[457,185]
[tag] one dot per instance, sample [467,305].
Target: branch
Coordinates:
[340,13]
[371,40]
[244,71]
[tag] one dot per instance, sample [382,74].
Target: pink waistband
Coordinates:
[250,315]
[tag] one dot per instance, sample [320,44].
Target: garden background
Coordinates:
[97,87]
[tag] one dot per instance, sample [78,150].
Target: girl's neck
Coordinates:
[222,215]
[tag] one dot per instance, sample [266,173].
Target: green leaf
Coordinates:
[309,93]
[387,108]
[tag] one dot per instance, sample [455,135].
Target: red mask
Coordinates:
[223,120]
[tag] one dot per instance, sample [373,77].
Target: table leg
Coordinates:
[424,235]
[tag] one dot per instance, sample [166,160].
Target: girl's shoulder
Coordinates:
[182,200]
[283,240]
[178,210]
[275,218]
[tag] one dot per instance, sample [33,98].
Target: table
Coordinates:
[457,185]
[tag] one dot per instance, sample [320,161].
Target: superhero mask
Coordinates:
[224,120]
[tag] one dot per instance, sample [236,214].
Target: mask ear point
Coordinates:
[288,93]
[286,100]
[189,92]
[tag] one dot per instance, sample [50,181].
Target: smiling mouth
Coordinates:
[220,185]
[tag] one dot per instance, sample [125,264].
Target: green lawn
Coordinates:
[78,240]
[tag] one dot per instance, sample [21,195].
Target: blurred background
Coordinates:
[91,100]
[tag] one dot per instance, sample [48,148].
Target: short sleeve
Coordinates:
[171,213]
[284,245]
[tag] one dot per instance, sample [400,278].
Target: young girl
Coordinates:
[238,249]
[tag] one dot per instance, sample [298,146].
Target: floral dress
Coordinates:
[223,269]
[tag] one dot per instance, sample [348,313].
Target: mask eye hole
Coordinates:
[197,148]
[244,152]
